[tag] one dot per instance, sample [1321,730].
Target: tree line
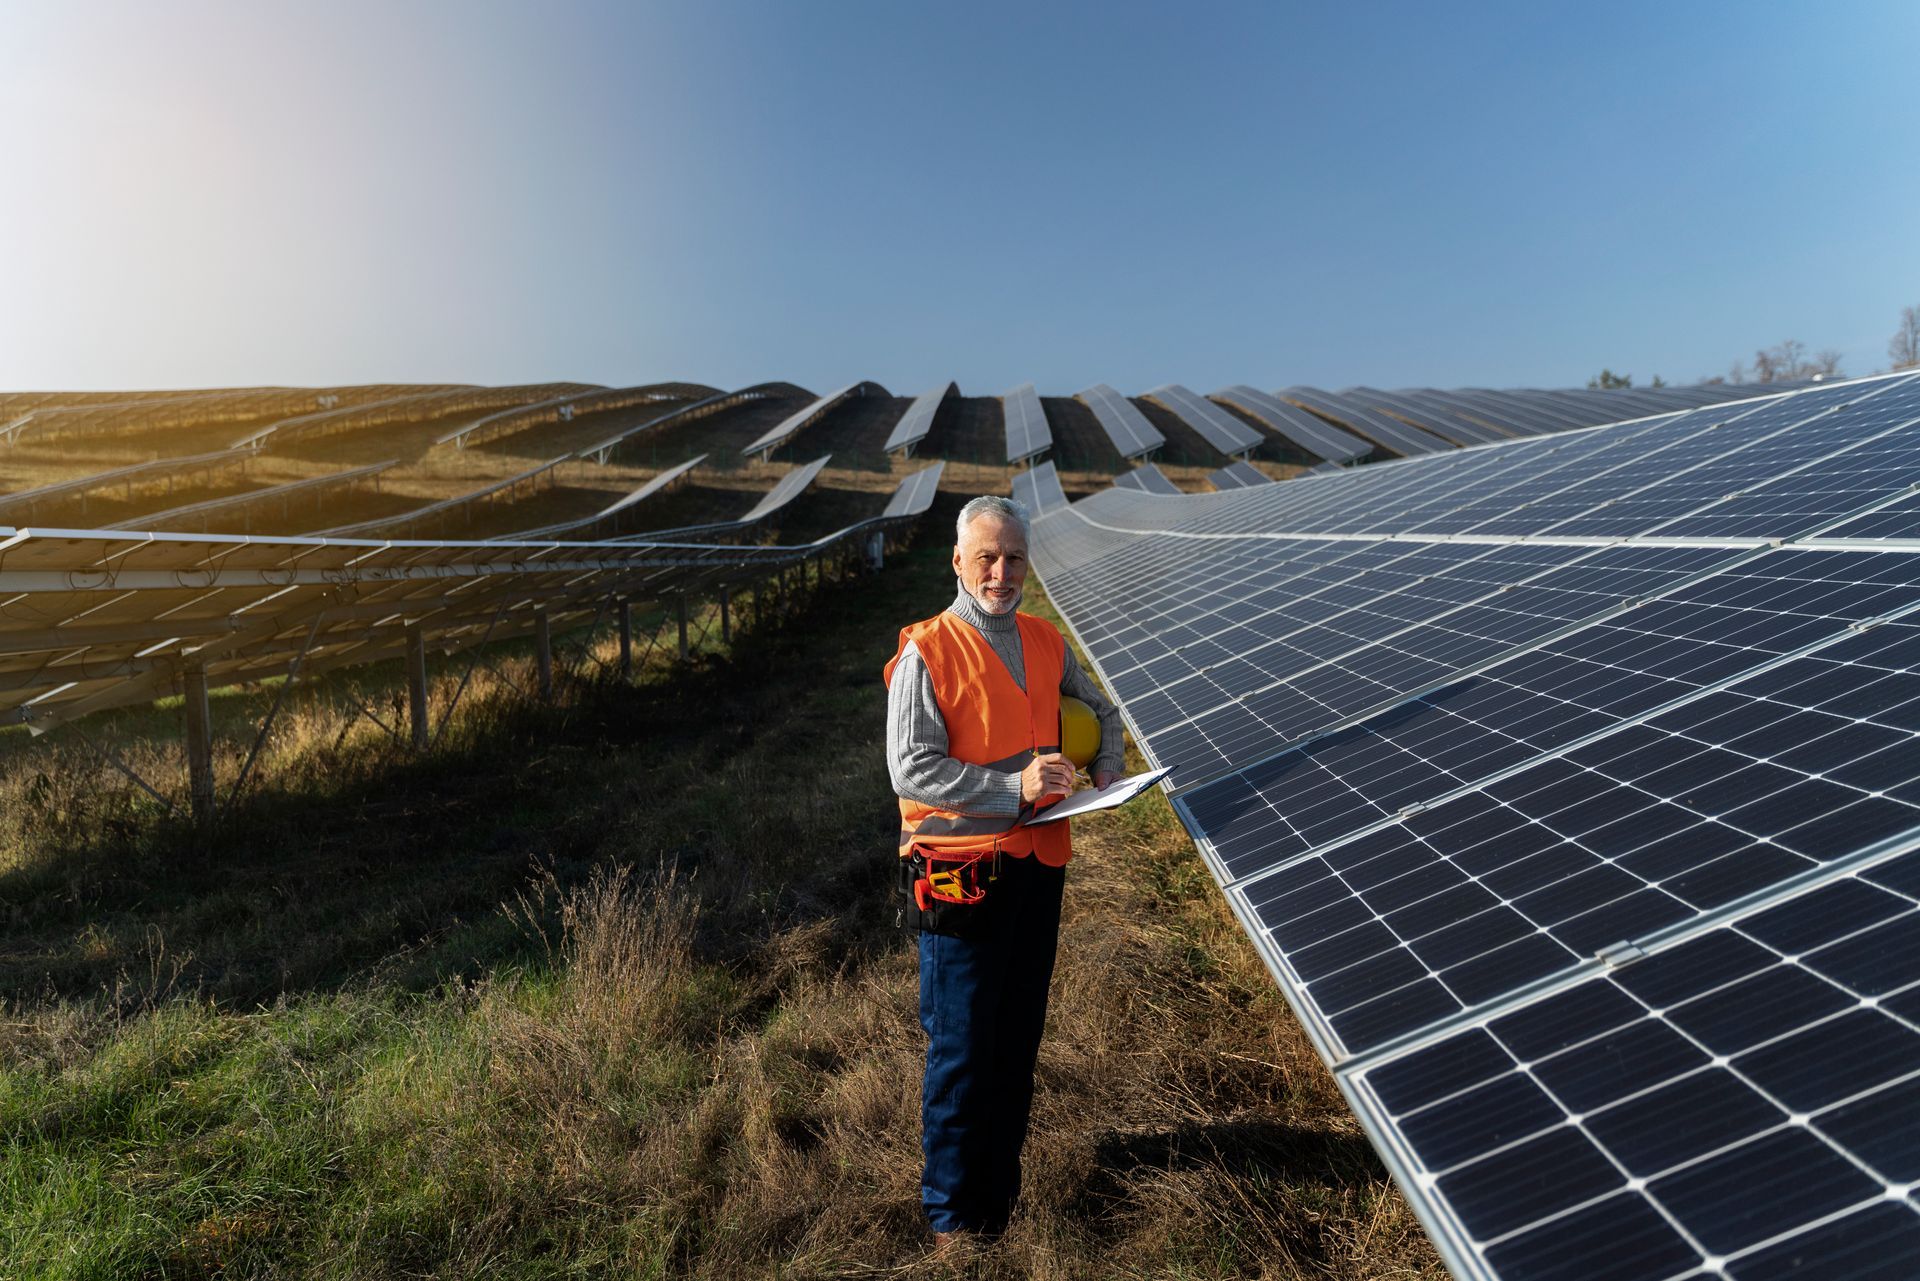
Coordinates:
[1790,361]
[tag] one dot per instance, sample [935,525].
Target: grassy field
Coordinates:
[612,987]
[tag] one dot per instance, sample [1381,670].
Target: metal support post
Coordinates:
[417,687]
[680,613]
[726,616]
[626,638]
[199,747]
[876,550]
[543,652]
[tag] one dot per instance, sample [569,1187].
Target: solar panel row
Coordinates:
[1028,434]
[790,426]
[1123,422]
[1216,426]
[1146,478]
[1237,476]
[917,422]
[1468,736]
[1301,429]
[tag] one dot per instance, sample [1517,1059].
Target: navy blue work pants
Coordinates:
[983,1002]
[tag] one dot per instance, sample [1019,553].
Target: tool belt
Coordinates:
[949,893]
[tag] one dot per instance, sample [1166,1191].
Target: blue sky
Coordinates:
[1393,194]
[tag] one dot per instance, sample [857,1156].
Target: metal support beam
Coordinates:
[876,550]
[626,638]
[543,652]
[417,687]
[726,616]
[680,613]
[199,747]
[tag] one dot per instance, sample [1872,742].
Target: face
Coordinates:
[991,560]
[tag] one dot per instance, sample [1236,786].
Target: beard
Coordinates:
[991,606]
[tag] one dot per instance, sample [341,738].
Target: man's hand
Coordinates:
[1045,778]
[1106,778]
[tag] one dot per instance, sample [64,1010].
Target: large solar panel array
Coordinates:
[1570,788]
[1216,426]
[1028,434]
[1038,489]
[917,422]
[1123,422]
[1299,428]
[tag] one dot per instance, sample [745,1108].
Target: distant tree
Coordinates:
[1608,380]
[1658,381]
[1737,374]
[1904,350]
[1789,362]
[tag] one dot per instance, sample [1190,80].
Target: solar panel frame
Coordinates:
[1388,433]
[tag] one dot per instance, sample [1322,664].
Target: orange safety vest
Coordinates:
[990,722]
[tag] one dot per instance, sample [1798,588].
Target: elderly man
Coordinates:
[973,733]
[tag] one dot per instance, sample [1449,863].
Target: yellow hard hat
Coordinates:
[1079,732]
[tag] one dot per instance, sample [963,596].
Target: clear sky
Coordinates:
[1393,194]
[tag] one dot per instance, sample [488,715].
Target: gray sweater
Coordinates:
[917,733]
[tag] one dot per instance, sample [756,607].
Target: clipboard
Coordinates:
[1089,800]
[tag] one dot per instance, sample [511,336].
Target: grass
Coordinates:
[613,987]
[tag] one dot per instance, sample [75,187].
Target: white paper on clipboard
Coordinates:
[1090,799]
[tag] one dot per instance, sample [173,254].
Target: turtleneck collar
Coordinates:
[968,610]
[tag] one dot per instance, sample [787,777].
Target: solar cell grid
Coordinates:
[1705,633]
[1749,1096]
[917,421]
[1038,488]
[1828,472]
[1677,467]
[1724,796]
[1600,767]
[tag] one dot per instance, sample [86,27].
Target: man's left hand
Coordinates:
[1103,779]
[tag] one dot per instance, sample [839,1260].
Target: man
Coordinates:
[973,730]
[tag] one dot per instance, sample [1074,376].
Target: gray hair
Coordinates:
[997,507]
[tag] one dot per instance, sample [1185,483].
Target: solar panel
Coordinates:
[916,492]
[1146,478]
[600,451]
[1239,476]
[1038,490]
[234,508]
[1216,426]
[1301,429]
[1123,422]
[1440,420]
[566,408]
[790,426]
[608,517]
[918,420]
[1388,433]
[1570,788]
[1028,434]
